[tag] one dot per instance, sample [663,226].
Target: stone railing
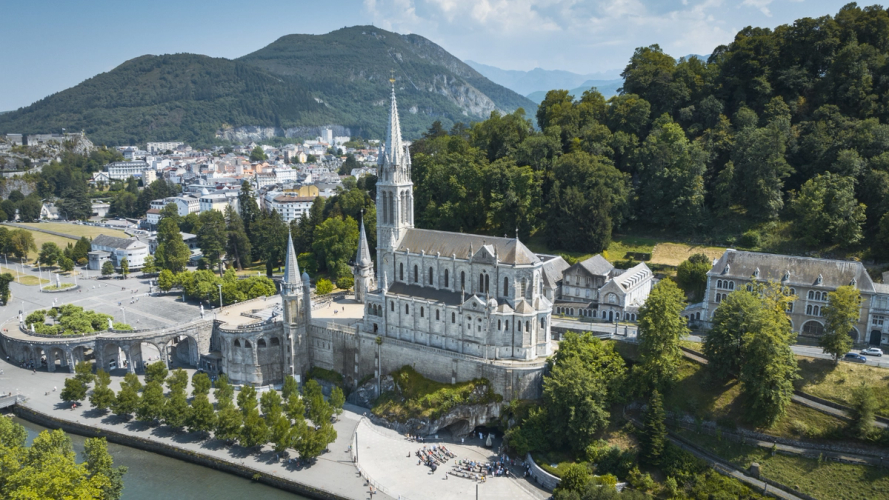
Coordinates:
[57,337]
[542,477]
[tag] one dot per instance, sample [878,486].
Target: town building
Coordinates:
[288,206]
[809,280]
[160,147]
[595,289]
[115,249]
[123,170]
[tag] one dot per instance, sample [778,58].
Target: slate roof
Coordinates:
[291,265]
[509,250]
[881,288]
[633,276]
[553,269]
[597,265]
[104,240]
[803,271]
[426,293]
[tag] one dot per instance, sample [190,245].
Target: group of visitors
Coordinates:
[434,456]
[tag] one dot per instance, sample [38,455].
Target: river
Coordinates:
[152,476]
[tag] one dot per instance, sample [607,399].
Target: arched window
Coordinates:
[462,280]
[247,344]
[809,309]
[237,343]
[524,287]
[275,342]
[488,283]
[260,344]
[453,317]
[407,309]
[527,326]
[718,298]
[811,295]
[422,312]
[401,271]
[392,304]
[385,207]
[416,274]
[481,283]
[498,324]
[436,315]
[731,285]
[505,286]
[718,283]
[446,278]
[430,275]
[506,327]
[542,322]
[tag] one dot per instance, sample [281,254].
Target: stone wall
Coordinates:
[542,477]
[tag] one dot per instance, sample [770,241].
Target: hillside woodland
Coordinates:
[778,142]
[341,78]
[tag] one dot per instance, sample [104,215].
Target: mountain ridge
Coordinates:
[297,83]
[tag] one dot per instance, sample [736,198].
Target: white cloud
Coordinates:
[762,5]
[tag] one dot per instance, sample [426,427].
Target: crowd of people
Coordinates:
[433,457]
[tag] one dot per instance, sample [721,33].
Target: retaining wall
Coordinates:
[542,477]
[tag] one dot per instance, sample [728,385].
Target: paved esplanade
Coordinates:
[389,460]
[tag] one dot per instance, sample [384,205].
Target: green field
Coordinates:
[78,230]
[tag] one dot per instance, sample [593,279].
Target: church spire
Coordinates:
[291,265]
[362,258]
[393,135]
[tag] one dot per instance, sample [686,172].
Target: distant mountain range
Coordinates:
[292,87]
[536,83]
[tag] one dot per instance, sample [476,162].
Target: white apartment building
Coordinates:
[160,147]
[123,170]
[285,175]
[290,207]
[187,205]
[218,201]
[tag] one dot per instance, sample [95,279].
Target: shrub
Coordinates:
[345,282]
[751,239]
[323,287]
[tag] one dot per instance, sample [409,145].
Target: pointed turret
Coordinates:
[362,258]
[291,266]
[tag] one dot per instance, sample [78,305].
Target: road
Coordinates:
[629,332]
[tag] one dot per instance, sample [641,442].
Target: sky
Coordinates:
[51,45]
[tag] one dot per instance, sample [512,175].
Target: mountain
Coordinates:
[607,88]
[526,82]
[292,87]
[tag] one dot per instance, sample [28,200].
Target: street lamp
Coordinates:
[124,311]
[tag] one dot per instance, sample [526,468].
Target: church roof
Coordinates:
[597,265]
[291,265]
[393,135]
[509,250]
[792,270]
[426,293]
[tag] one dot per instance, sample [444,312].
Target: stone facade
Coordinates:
[595,289]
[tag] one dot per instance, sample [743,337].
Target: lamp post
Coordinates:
[220,293]
[124,311]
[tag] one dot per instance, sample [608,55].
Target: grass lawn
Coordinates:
[78,230]
[825,481]
[23,279]
[673,254]
[822,378]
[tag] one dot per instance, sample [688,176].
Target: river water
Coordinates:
[152,476]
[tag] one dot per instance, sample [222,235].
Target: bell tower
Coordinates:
[297,304]
[363,270]
[395,191]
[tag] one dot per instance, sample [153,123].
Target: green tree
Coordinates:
[156,372]
[323,286]
[691,276]
[269,239]
[178,379]
[200,384]
[212,237]
[223,391]
[574,479]
[654,433]
[74,390]
[258,155]
[228,423]
[290,387]
[81,249]
[107,268]
[49,254]
[723,346]
[584,380]
[127,401]
[191,223]
[840,317]
[827,211]
[83,372]
[318,410]
[102,397]
[171,212]
[760,168]
[66,264]
[165,280]
[279,432]
[661,327]
[247,399]
[20,243]
[5,280]
[295,408]
[171,253]
[864,406]
[255,431]
[336,241]
[99,464]
[337,400]
[176,411]
[270,404]
[202,417]
[124,267]
[237,243]
[151,406]
[148,266]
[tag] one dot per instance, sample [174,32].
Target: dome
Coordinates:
[492,303]
[204,192]
[305,277]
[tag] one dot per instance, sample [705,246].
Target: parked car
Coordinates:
[872,351]
[855,357]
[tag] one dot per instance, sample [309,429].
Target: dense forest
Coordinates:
[778,142]
[341,78]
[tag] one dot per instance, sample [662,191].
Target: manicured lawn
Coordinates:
[78,230]
[825,480]
[23,279]
[822,378]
